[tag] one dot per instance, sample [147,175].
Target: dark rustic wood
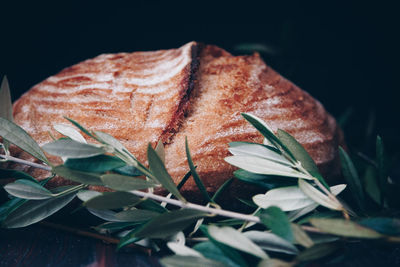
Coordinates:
[43,246]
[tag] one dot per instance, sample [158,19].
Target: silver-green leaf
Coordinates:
[72,149]
[27,189]
[126,183]
[235,239]
[16,135]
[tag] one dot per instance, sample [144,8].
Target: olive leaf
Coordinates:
[112,200]
[72,149]
[77,176]
[301,155]
[16,135]
[107,215]
[386,226]
[136,215]
[212,251]
[344,228]
[99,163]
[160,151]
[167,224]
[70,132]
[183,250]
[126,183]
[263,181]
[160,173]
[27,189]
[5,105]
[276,220]
[258,150]
[318,196]
[80,127]
[264,166]
[271,242]
[301,237]
[85,195]
[235,239]
[33,211]
[351,175]
[267,132]
[189,261]
[286,198]
[196,177]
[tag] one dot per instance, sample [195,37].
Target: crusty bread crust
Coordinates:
[192,91]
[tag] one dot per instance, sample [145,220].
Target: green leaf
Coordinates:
[381,168]
[110,140]
[158,170]
[286,198]
[27,189]
[189,261]
[115,226]
[9,206]
[212,251]
[70,132]
[7,173]
[271,242]
[300,236]
[160,151]
[276,220]
[196,177]
[386,226]
[169,223]
[352,179]
[263,166]
[182,250]
[301,155]
[85,195]
[33,211]
[77,176]
[16,135]
[184,179]
[222,188]
[229,253]
[235,239]
[112,200]
[344,228]
[107,215]
[129,171]
[264,181]
[136,215]
[80,127]
[5,100]
[129,238]
[72,149]
[5,105]
[263,128]
[297,150]
[318,196]
[317,252]
[149,204]
[258,150]
[125,183]
[100,163]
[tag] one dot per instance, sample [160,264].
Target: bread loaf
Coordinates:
[196,91]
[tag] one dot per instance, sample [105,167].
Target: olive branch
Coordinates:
[280,220]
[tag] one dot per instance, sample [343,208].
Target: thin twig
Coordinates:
[25,162]
[188,205]
[210,210]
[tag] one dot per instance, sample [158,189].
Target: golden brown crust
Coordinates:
[144,97]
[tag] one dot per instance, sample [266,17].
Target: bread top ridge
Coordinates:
[196,91]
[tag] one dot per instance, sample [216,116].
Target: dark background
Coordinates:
[345,54]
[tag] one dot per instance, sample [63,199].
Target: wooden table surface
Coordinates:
[43,246]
